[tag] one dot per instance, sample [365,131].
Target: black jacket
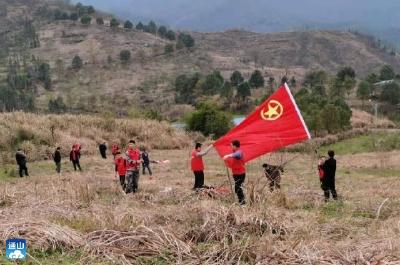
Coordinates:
[102,148]
[57,156]
[20,157]
[330,168]
[145,158]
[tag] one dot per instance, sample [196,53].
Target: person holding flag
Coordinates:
[236,162]
[276,123]
[197,165]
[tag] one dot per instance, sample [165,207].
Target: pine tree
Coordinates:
[140,26]
[236,78]
[162,31]
[128,25]
[170,35]
[114,23]
[256,79]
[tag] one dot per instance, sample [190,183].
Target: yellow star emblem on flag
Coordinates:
[272,111]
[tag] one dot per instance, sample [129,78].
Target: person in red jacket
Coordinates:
[114,149]
[120,169]
[132,169]
[197,165]
[235,161]
[75,155]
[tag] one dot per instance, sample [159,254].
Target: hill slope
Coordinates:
[104,84]
[262,16]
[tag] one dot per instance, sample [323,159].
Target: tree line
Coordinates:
[85,14]
[322,98]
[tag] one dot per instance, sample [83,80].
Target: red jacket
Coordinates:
[196,162]
[120,166]
[114,149]
[237,164]
[74,155]
[133,157]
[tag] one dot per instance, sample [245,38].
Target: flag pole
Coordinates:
[230,183]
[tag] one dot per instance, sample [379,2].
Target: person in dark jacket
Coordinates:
[103,150]
[146,161]
[273,174]
[328,180]
[20,157]
[57,159]
[74,156]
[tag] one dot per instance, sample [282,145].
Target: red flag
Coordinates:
[273,125]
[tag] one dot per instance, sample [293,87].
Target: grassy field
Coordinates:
[79,218]
[374,142]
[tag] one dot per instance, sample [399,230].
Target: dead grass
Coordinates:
[40,134]
[86,212]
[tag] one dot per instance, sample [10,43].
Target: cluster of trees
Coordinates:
[23,74]
[124,56]
[80,11]
[209,119]
[323,113]
[322,100]
[57,105]
[161,31]
[28,38]
[389,91]
[191,87]
[84,14]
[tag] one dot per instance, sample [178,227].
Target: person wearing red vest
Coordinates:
[235,161]
[120,169]
[75,155]
[197,165]
[133,165]
[114,149]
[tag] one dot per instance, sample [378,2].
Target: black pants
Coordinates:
[132,184]
[103,155]
[328,186]
[122,182]
[239,180]
[144,166]
[198,179]
[23,169]
[76,165]
[58,167]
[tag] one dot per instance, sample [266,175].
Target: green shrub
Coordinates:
[209,120]
[125,56]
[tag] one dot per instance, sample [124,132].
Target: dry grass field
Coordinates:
[84,218]
[39,135]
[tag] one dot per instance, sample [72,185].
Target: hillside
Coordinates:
[105,85]
[259,15]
